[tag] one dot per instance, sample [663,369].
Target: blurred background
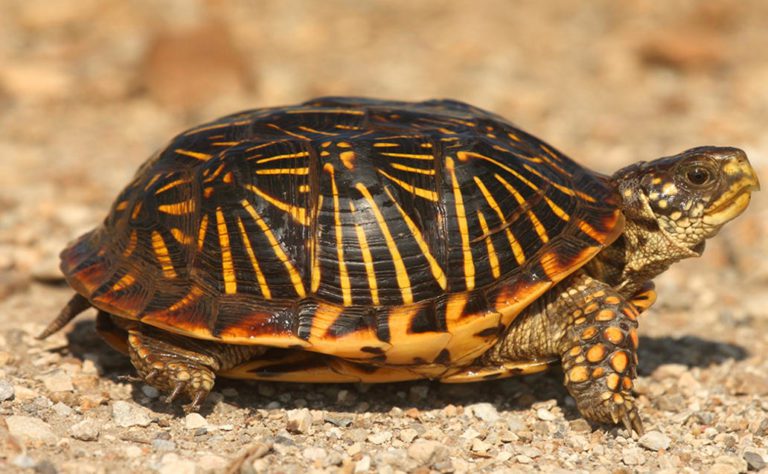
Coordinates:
[90,88]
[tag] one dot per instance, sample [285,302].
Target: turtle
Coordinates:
[359,240]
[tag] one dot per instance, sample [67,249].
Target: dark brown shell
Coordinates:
[391,232]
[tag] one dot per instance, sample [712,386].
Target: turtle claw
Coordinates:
[628,417]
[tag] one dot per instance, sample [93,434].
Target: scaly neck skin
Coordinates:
[642,252]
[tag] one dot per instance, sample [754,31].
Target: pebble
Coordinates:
[299,421]
[363,465]
[194,421]
[654,440]
[6,390]
[150,391]
[127,414]
[171,463]
[212,463]
[163,444]
[57,381]
[755,462]
[426,451]
[380,437]
[632,456]
[408,435]
[484,411]
[314,453]
[480,446]
[31,429]
[545,415]
[86,430]
[62,410]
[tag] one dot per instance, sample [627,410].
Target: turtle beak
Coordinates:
[741,180]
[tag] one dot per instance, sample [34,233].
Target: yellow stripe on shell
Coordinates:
[178,208]
[288,132]
[277,248]
[227,267]
[315,255]
[180,236]
[299,214]
[293,171]
[517,250]
[367,260]
[312,130]
[403,281]
[411,156]
[201,231]
[162,255]
[265,291]
[421,192]
[537,225]
[171,185]
[124,282]
[437,271]
[346,287]
[193,154]
[132,241]
[461,217]
[493,259]
[411,169]
[286,156]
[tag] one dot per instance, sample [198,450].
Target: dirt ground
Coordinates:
[90,88]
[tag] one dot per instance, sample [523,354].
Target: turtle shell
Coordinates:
[393,233]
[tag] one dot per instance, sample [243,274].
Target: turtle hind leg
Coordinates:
[75,306]
[179,365]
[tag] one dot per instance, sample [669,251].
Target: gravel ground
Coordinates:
[89,88]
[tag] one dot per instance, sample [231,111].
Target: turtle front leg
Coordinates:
[180,365]
[599,354]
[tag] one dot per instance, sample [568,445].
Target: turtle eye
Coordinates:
[698,176]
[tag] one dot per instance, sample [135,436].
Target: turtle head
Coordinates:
[690,196]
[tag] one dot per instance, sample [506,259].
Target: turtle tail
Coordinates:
[76,305]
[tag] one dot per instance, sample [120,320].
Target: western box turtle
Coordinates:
[355,240]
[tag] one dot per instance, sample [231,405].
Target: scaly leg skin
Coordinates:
[180,365]
[599,355]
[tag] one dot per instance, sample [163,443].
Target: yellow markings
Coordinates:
[261,145]
[346,287]
[403,282]
[344,145]
[193,154]
[121,206]
[454,308]
[537,225]
[325,111]
[312,130]
[385,145]
[136,210]
[132,241]
[561,188]
[299,214]
[227,267]
[277,248]
[461,217]
[297,171]
[126,281]
[171,185]
[513,136]
[426,145]
[437,272]
[325,153]
[421,192]
[346,127]
[254,262]
[225,143]
[194,293]
[180,236]
[348,159]
[304,188]
[591,231]
[228,178]
[493,259]
[552,163]
[287,132]
[446,131]
[201,231]
[215,126]
[301,154]
[517,250]
[315,271]
[367,260]
[412,156]
[559,212]
[163,257]
[178,208]
[411,169]
[152,181]
[216,172]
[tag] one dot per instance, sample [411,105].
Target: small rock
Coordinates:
[654,440]
[6,390]
[755,462]
[57,381]
[523,459]
[314,453]
[408,435]
[545,415]
[173,464]
[580,425]
[150,391]
[62,410]
[299,421]
[212,463]
[363,465]
[133,451]
[31,429]
[427,452]
[480,446]
[484,411]
[736,463]
[338,420]
[163,444]
[470,433]
[194,421]
[127,414]
[380,437]
[632,456]
[24,462]
[86,430]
